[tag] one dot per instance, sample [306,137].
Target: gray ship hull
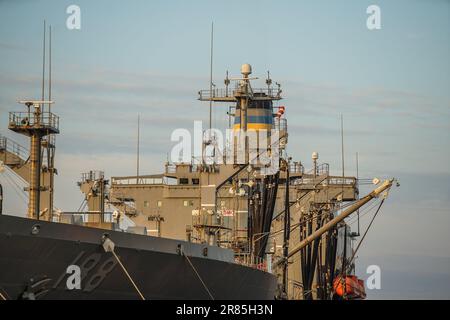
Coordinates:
[35,255]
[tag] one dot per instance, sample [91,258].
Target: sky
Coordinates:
[152,57]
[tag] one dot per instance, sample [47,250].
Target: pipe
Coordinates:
[1,199]
[35,176]
[286,231]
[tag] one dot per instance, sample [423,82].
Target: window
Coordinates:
[159,203]
[146,204]
[222,203]
[188,203]
[195,181]
[184,181]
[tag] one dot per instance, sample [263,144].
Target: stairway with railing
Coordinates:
[123,202]
[12,154]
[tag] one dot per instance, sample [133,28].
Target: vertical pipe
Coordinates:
[333,257]
[315,168]
[1,199]
[50,147]
[250,210]
[35,176]
[309,246]
[342,145]
[137,154]
[303,251]
[314,263]
[49,66]
[286,231]
[102,198]
[357,186]
[210,75]
[243,126]
[43,64]
[344,263]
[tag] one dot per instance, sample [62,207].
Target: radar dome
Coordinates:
[246,69]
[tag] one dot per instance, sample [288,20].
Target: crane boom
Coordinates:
[319,232]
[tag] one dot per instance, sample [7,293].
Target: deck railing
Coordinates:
[29,120]
[232,92]
[251,261]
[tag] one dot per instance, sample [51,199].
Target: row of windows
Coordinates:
[258,105]
[186,181]
[159,203]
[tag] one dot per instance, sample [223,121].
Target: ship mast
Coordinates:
[245,98]
[36,123]
[39,124]
[253,112]
[49,142]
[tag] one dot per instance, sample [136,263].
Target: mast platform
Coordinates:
[28,123]
[231,95]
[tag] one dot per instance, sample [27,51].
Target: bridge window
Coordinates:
[146,204]
[159,203]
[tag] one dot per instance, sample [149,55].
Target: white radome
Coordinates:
[246,69]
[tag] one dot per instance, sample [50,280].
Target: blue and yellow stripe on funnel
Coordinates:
[255,122]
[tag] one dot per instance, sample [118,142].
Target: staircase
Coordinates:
[15,157]
[12,154]
[124,203]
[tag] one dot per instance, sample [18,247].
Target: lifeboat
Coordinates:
[349,287]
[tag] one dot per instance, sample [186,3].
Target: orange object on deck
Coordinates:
[349,287]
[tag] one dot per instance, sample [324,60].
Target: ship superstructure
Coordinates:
[237,206]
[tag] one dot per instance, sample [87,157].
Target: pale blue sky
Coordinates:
[151,57]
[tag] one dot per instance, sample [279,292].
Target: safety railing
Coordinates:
[251,261]
[231,92]
[323,168]
[3,143]
[92,176]
[30,120]
[144,180]
[194,167]
[280,124]
[13,147]
[80,218]
[296,168]
[342,180]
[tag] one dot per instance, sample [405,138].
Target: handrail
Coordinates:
[230,93]
[248,260]
[29,120]
[92,175]
[163,180]
[13,147]
[323,168]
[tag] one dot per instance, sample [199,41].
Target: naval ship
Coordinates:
[206,228]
